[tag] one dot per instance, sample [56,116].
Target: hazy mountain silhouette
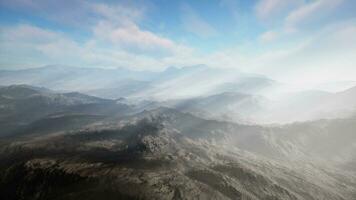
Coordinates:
[72,146]
[116,83]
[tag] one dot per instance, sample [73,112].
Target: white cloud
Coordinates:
[119,28]
[119,14]
[79,14]
[40,46]
[194,23]
[325,55]
[37,45]
[302,20]
[117,38]
[311,11]
[28,33]
[328,54]
[266,9]
[132,38]
[76,13]
[268,36]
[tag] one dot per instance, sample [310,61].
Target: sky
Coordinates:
[296,41]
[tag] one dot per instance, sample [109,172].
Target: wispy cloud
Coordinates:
[123,34]
[119,27]
[77,13]
[42,46]
[132,38]
[310,12]
[305,16]
[116,38]
[327,54]
[268,36]
[267,9]
[25,32]
[35,46]
[119,14]
[194,23]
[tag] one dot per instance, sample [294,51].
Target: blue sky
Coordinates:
[305,41]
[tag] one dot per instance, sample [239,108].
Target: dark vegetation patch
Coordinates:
[19,182]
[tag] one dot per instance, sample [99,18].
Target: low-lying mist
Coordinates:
[223,94]
[177,134]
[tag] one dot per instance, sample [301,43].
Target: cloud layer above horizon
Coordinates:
[302,41]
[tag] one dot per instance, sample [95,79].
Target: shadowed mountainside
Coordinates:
[23,104]
[93,148]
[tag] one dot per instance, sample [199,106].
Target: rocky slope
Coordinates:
[73,146]
[147,158]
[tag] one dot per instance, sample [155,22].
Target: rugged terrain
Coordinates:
[91,148]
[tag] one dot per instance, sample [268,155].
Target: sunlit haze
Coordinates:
[178,99]
[308,43]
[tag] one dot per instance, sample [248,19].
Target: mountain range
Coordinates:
[75,146]
[239,97]
[182,133]
[142,84]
